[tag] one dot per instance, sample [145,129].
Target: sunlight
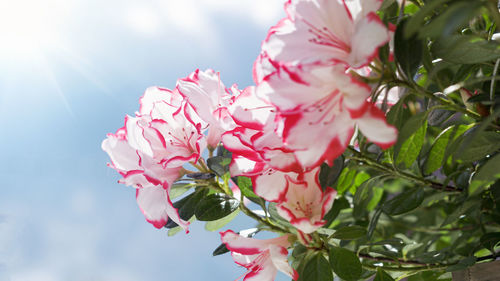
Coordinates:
[29,26]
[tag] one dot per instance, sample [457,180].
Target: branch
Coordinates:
[420,265]
[400,174]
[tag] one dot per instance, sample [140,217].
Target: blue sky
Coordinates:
[69,73]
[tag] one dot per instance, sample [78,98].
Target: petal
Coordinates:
[156,206]
[324,141]
[303,36]
[279,257]
[123,156]
[271,185]
[303,224]
[153,96]
[250,111]
[374,126]
[266,272]
[250,246]
[370,34]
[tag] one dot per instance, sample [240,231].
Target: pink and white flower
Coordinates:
[258,152]
[334,104]
[210,99]
[325,32]
[262,258]
[151,148]
[305,203]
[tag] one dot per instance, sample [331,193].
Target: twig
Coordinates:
[400,174]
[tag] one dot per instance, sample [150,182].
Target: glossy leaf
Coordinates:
[220,250]
[329,175]
[187,205]
[404,202]
[350,232]
[476,146]
[407,51]
[316,269]
[215,206]
[490,240]
[486,175]
[218,224]
[339,204]
[466,49]
[382,276]
[410,140]
[219,165]
[345,263]
[410,148]
[462,264]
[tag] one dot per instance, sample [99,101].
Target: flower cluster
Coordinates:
[302,112]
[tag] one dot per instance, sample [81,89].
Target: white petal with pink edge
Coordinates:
[156,206]
[376,129]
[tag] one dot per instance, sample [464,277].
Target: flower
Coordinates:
[305,203]
[325,32]
[151,148]
[210,99]
[334,105]
[262,258]
[257,151]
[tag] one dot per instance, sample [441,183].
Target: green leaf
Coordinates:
[490,240]
[219,165]
[410,139]
[461,209]
[177,189]
[487,175]
[382,275]
[345,263]
[215,206]
[436,155]
[273,213]
[339,204]
[173,231]
[398,114]
[404,202]
[328,175]
[187,205]
[437,152]
[222,249]
[476,146]
[416,22]
[217,224]
[407,51]
[345,180]
[245,185]
[462,264]
[466,49]
[373,222]
[410,149]
[429,275]
[350,232]
[367,196]
[316,269]
[454,17]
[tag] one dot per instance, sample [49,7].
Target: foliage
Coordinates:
[427,206]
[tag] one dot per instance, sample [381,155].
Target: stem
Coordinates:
[421,266]
[492,88]
[256,217]
[400,174]
[441,100]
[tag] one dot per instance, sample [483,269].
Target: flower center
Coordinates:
[325,37]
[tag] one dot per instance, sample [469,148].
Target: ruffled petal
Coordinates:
[156,206]
[376,129]
[370,34]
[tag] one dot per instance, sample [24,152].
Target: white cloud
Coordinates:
[197,18]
